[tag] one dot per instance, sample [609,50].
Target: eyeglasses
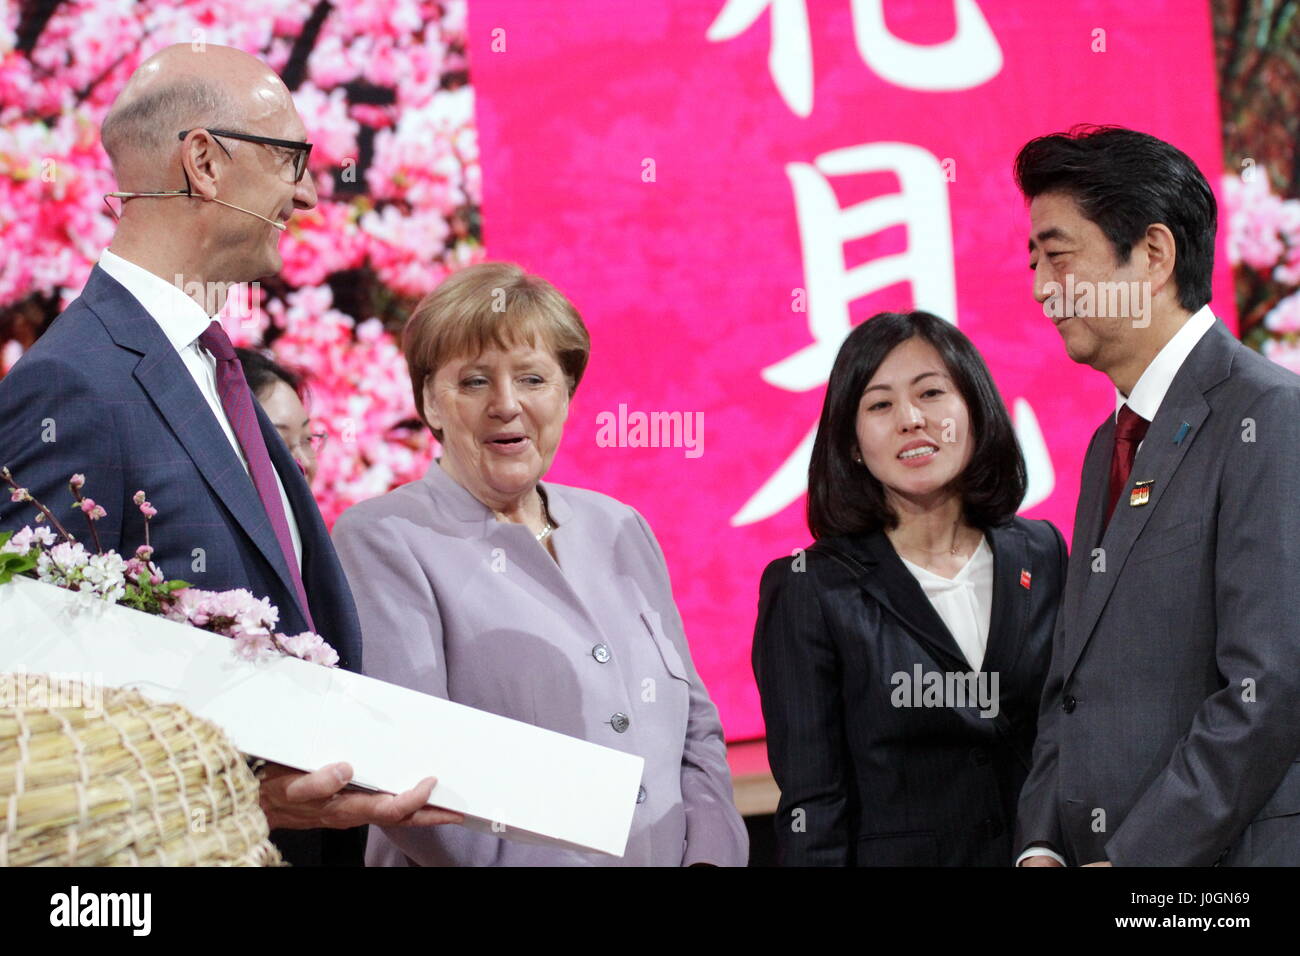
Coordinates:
[301,150]
[309,445]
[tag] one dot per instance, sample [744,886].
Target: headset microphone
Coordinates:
[183,192]
[278,225]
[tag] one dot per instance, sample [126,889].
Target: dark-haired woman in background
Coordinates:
[280,393]
[901,658]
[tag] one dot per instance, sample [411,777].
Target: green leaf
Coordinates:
[17,563]
[12,564]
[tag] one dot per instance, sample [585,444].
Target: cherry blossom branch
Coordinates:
[22,494]
[87,506]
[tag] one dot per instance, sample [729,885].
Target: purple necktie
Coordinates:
[237,400]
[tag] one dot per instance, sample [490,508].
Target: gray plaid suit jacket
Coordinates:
[1170,725]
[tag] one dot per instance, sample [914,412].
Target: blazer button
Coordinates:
[979,756]
[640,794]
[601,653]
[619,722]
[1068,703]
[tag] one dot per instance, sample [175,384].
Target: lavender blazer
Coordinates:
[459,605]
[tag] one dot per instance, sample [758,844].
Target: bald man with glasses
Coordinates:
[137,387]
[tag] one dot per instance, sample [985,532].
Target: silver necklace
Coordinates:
[545,533]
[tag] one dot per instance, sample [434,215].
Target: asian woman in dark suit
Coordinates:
[901,657]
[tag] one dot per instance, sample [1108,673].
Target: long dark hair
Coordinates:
[844,497]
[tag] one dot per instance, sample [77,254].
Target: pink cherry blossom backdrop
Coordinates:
[641,155]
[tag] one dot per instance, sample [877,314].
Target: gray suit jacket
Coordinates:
[1170,725]
[459,605]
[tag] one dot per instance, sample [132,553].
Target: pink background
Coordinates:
[686,282]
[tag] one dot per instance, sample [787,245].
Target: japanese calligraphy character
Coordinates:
[970,57]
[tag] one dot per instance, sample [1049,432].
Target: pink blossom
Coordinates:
[1286,354]
[253,645]
[26,538]
[142,565]
[188,606]
[405,249]
[322,241]
[10,353]
[245,612]
[1288,271]
[61,564]
[309,647]
[331,130]
[376,117]
[1259,221]
[76,482]
[248,620]
[422,160]
[1284,317]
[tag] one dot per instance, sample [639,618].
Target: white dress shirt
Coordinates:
[183,320]
[964,602]
[1154,382]
[1145,400]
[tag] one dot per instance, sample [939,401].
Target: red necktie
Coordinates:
[1130,429]
[237,400]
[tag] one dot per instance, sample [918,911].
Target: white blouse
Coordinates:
[965,602]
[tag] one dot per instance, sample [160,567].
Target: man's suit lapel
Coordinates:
[1166,444]
[167,382]
[1088,516]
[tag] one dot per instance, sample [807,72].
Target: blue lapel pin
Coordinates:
[1183,429]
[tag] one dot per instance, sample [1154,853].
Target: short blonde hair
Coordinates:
[494,303]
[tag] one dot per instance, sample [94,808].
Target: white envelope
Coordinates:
[508,778]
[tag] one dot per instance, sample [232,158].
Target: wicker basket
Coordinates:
[128,783]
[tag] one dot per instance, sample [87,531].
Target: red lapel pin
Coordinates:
[1025,577]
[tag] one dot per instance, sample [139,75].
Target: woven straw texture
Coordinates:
[128,783]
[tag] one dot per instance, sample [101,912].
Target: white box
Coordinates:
[538,784]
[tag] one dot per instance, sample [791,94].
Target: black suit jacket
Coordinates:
[867,778]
